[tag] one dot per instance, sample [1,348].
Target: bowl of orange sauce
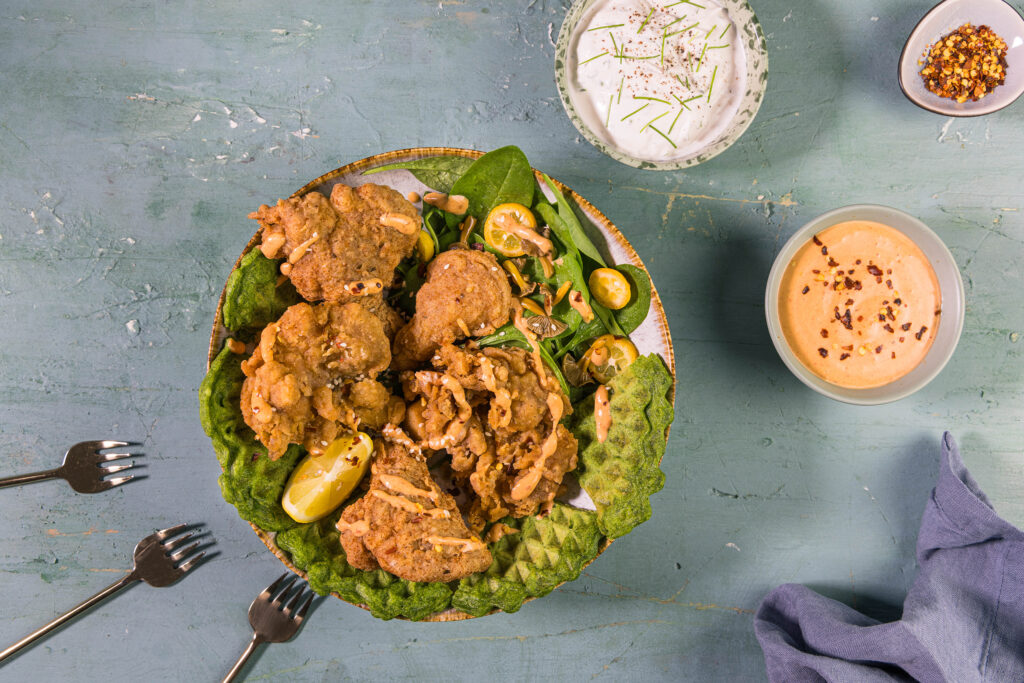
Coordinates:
[865,304]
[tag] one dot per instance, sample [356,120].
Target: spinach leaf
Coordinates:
[437,173]
[608,318]
[632,314]
[568,216]
[503,175]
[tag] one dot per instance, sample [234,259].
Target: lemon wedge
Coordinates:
[319,484]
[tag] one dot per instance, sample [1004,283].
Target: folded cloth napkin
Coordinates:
[963,619]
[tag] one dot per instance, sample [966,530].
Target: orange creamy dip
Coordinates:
[860,304]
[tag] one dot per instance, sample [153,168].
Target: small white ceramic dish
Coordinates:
[951,287]
[945,18]
[755,52]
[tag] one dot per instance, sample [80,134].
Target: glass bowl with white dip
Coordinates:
[661,85]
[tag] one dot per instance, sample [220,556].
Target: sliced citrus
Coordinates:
[319,484]
[608,356]
[498,236]
[610,288]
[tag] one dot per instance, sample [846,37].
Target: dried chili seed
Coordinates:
[874,270]
[824,251]
[824,333]
[920,333]
[905,326]
[823,352]
[878,349]
[849,302]
[817,242]
[805,289]
[966,64]
[888,328]
[844,356]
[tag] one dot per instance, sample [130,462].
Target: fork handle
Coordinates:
[243,659]
[70,614]
[27,478]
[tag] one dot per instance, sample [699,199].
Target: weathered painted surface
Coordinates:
[134,139]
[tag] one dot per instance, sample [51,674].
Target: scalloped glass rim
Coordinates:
[951,287]
[757,79]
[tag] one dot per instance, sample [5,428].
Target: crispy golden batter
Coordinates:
[312,375]
[496,413]
[334,245]
[466,294]
[408,526]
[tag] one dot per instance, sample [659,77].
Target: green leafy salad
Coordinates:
[581,311]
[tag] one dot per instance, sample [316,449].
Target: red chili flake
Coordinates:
[856,285]
[905,326]
[849,302]
[832,263]
[848,282]
[477,245]
[874,270]
[848,348]
[844,356]
[860,318]
[824,333]
[888,328]
[889,310]
[878,279]
[823,352]
[846,320]
[901,339]
[815,271]
[920,333]
[938,311]
[893,354]
[878,349]
[858,262]
[805,289]
[816,240]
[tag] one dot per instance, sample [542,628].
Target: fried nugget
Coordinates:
[312,375]
[408,525]
[466,294]
[342,249]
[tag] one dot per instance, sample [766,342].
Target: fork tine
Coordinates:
[181,554]
[185,566]
[272,588]
[284,590]
[116,468]
[117,481]
[178,542]
[295,600]
[103,444]
[107,457]
[302,610]
[169,531]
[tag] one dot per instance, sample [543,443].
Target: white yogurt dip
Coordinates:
[659,81]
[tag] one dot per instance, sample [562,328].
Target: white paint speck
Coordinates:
[233,124]
[874,18]
[733,546]
[133,327]
[302,133]
[227,111]
[196,118]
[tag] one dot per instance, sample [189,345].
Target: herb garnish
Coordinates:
[664,136]
[646,20]
[635,112]
[648,124]
[598,28]
[594,57]
[712,85]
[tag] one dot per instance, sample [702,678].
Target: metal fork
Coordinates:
[83,468]
[156,562]
[272,620]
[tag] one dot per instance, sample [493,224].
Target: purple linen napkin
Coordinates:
[963,619]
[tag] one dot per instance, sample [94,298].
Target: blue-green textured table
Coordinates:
[135,138]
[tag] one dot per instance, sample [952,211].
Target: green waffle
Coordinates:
[252,298]
[623,472]
[545,553]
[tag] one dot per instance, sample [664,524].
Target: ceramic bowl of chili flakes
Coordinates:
[965,58]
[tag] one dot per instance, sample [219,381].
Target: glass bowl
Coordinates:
[756,55]
[951,287]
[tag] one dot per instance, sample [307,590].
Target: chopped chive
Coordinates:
[598,28]
[712,85]
[680,102]
[684,2]
[594,57]
[664,136]
[691,99]
[645,20]
[608,118]
[634,112]
[717,47]
[653,120]
[674,121]
[710,30]
[663,28]
[625,56]
[653,99]
[674,4]
[724,31]
[702,53]
[685,85]
[663,49]
[615,46]
[683,30]
[619,98]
